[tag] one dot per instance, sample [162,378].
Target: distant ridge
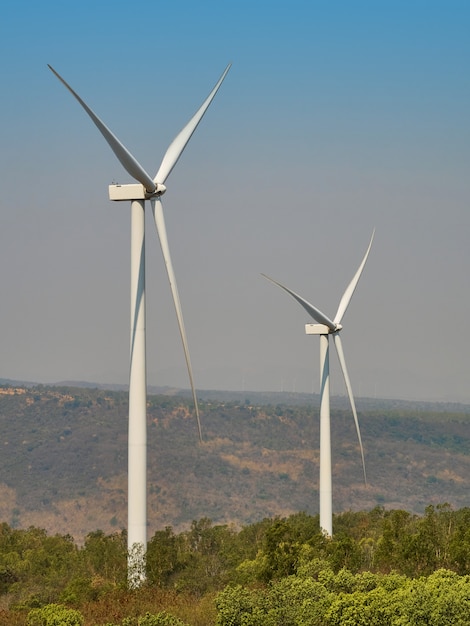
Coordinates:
[262,397]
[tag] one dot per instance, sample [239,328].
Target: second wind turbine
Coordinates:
[326,327]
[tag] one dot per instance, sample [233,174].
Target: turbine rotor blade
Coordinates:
[157,209]
[340,353]
[317,315]
[178,144]
[344,303]
[129,163]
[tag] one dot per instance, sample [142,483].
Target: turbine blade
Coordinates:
[340,353]
[157,209]
[317,315]
[343,305]
[129,163]
[178,144]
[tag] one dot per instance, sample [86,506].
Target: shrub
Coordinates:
[160,619]
[54,615]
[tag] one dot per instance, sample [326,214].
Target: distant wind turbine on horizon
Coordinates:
[152,189]
[326,327]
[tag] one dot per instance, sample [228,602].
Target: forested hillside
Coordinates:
[63,465]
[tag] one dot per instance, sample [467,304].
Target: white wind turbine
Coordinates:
[325,328]
[146,189]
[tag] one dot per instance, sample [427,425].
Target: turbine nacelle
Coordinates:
[321,329]
[134,191]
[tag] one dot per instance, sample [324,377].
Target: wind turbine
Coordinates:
[326,327]
[152,189]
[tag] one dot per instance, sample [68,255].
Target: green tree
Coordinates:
[459,545]
[204,557]
[344,552]
[106,556]
[239,606]
[163,558]
[440,599]
[163,618]
[391,546]
[284,541]
[54,615]
[428,547]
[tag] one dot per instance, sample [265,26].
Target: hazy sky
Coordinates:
[336,117]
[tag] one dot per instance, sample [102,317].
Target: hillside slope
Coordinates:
[64,459]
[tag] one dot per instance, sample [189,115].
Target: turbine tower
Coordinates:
[324,328]
[152,189]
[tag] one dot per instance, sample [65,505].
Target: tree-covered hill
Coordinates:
[63,465]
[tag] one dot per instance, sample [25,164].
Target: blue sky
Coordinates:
[334,119]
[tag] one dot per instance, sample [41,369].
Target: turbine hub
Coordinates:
[159,190]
